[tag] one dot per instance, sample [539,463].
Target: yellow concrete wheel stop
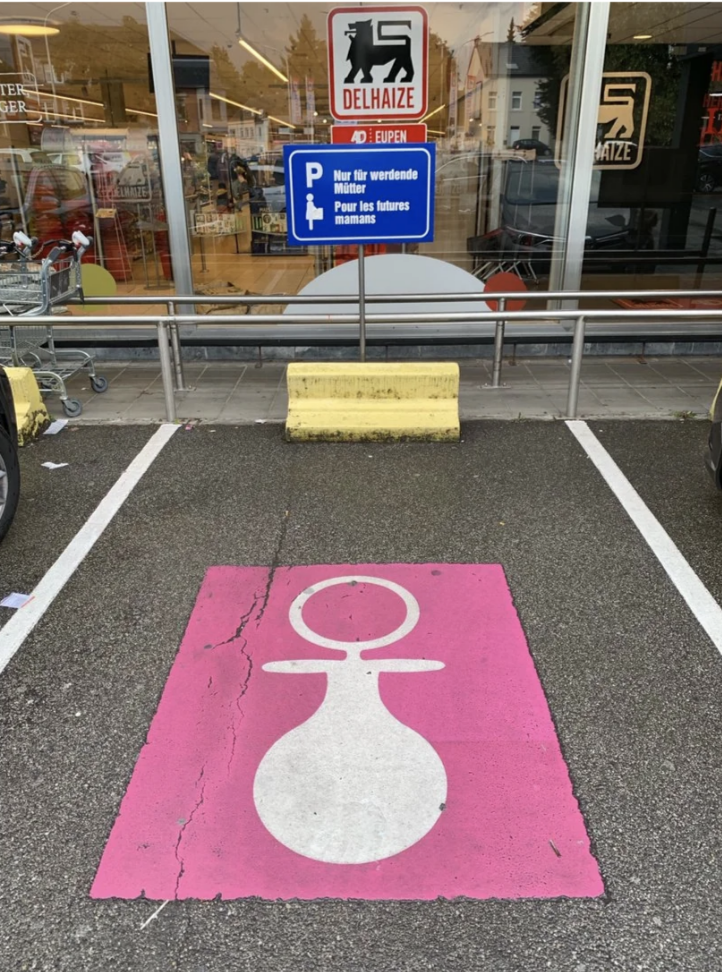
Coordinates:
[30,412]
[372,402]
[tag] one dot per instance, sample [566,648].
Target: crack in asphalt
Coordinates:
[261,598]
[244,689]
[275,563]
[181,832]
[237,637]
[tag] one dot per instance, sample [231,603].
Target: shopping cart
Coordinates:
[30,286]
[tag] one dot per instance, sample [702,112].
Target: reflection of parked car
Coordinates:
[48,199]
[525,240]
[532,145]
[21,160]
[9,464]
[269,189]
[16,165]
[709,167]
[55,195]
[457,183]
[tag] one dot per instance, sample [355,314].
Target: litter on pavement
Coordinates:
[15,600]
[57,426]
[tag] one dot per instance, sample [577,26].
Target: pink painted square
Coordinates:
[368,731]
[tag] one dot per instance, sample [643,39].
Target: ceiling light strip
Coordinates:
[259,57]
[61,97]
[281,121]
[434,112]
[236,104]
[84,101]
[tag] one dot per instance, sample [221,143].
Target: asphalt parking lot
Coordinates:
[632,681]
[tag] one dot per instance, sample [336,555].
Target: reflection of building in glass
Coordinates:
[500,99]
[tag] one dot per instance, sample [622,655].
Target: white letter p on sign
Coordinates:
[313,172]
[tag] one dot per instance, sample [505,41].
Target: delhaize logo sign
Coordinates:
[378,63]
[621,120]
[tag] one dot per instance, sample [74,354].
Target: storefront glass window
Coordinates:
[79,145]
[264,84]
[84,151]
[654,220]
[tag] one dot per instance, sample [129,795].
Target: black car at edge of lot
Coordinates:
[9,462]
[713,455]
[709,167]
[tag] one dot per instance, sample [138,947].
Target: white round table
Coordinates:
[393,273]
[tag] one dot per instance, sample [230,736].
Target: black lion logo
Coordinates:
[364,53]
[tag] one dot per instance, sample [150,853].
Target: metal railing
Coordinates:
[169,343]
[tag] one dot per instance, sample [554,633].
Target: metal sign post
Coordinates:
[362,302]
[576,370]
[498,347]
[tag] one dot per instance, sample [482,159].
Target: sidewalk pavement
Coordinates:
[243,393]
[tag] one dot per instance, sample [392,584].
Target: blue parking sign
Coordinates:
[368,194]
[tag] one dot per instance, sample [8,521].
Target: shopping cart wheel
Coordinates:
[99,384]
[72,407]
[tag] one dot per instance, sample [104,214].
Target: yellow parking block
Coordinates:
[365,401]
[30,412]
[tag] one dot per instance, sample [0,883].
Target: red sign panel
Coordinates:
[377,134]
[378,63]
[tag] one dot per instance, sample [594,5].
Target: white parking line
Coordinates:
[154,915]
[21,624]
[699,600]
